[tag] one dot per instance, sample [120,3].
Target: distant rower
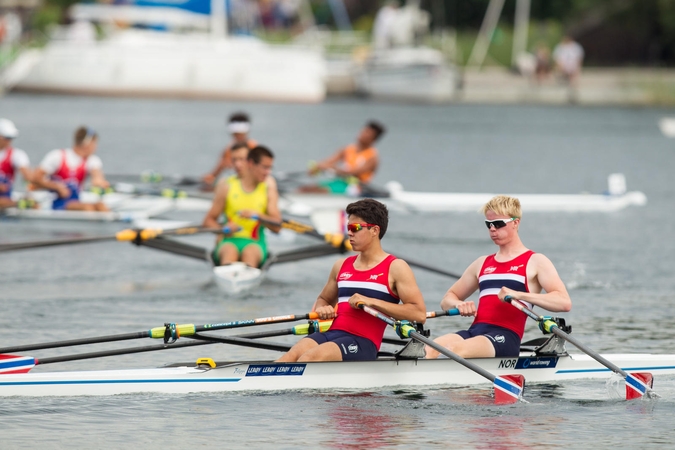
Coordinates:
[11,160]
[358,162]
[239,126]
[243,200]
[63,172]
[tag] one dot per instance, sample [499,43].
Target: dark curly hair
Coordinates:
[371,211]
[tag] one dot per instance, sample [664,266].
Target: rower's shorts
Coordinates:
[240,243]
[505,341]
[353,348]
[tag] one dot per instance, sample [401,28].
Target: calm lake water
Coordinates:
[617,266]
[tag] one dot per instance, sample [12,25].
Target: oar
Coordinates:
[169,332]
[126,188]
[638,384]
[341,241]
[21,364]
[127,235]
[336,240]
[508,388]
[156,177]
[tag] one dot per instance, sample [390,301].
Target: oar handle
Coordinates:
[450,312]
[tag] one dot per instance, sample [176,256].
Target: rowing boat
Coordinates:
[123,207]
[237,277]
[400,200]
[362,375]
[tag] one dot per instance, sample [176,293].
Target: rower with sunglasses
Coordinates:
[514,271]
[373,278]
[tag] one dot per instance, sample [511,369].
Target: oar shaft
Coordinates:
[52,243]
[158,332]
[242,342]
[558,332]
[74,342]
[119,351]
[429,268]
[127,235]
[250,322]
[439,348]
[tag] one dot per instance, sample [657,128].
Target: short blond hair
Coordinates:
[503,205]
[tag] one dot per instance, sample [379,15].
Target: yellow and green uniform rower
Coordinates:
[253,193]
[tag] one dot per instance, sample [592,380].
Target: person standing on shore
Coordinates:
[569,57]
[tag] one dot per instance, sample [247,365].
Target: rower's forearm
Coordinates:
[402,311]
[47,184]
[450,302]
[550,301]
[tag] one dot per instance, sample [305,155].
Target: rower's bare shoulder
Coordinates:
[399,267]
[539,260]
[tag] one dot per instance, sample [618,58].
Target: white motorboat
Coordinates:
[197,64]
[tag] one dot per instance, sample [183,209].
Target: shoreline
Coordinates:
[597,86]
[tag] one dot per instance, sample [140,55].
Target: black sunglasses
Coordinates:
[498,223]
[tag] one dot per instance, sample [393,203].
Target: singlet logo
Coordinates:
[515,268]
[489,269]
[500,338]
[345,276]
[374,277]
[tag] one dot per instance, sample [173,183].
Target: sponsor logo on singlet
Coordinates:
[345,276]
[374,277]
[515,268]
[489,269]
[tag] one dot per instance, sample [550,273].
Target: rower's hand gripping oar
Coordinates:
[638,384]
[508,388]
[128,235]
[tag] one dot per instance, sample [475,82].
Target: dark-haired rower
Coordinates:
[63,171]
[239,125]
[358,160]
[374,278]
[241,200]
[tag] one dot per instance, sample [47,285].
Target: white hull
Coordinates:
[237,277]
[269,376]
[124,207]
[135,62]
[400,200]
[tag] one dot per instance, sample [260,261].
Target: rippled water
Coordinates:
[618,268]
